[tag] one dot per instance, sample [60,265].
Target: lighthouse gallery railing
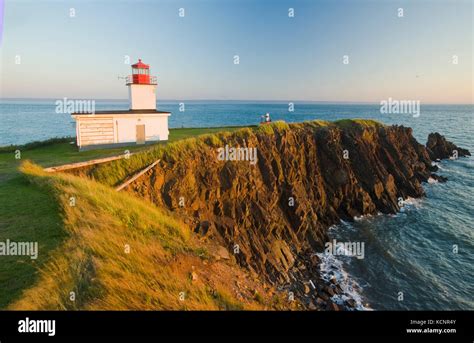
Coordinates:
[129,80]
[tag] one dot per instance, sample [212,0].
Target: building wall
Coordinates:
[117,128]
[142,97]
[156,128]
[94,131]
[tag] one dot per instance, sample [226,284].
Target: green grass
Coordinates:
[29,214]
[71,267]
[270,128]
[178,134]
[59,151]
[36,144]
[92,261]
[357,123]
[115,172]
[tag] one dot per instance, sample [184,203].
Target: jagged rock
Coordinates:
[351,303]
[323,296]
[306,289]
[246,207]
[439,148]
[194,276]
[333,307]
[314,260]
[202,227]
[329,290]
[320,302]
[439,178]
[221,253]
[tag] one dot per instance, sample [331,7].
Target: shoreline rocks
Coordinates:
[439,148]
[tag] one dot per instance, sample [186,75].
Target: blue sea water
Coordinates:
[411,254]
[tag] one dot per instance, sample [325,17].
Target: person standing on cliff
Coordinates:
[266,118]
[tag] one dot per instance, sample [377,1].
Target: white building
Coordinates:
[141,124]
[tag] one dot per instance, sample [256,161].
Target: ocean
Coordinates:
[421,258]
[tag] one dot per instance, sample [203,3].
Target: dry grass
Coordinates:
[115,172]
[271,128]
[93,262]
[357,123]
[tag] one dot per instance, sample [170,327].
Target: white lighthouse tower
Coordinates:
[140,124]
[141,87]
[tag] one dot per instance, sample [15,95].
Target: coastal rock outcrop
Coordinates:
[272,216]
[439,148]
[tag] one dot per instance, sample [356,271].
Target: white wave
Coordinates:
[331,267]
[367,216]
[362,217]
[411,203]
[432,181]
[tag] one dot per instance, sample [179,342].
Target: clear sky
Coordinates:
[281,58]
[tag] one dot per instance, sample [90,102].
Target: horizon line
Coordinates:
[349,102]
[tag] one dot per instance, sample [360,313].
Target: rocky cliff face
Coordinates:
[439,148]
[273,215]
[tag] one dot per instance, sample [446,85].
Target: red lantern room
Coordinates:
[141,74]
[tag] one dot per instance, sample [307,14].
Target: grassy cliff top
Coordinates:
[119,252]
[115,172]
[29,213]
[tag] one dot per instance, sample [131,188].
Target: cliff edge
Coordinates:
[272,213]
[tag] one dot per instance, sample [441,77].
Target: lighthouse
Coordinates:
[142,123]
[141,87]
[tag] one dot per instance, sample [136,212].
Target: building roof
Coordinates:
[140,65]
[119,112]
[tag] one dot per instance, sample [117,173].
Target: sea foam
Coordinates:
[330,267]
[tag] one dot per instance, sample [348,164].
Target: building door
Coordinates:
[140,134]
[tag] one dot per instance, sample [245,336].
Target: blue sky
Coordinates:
[281,58]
